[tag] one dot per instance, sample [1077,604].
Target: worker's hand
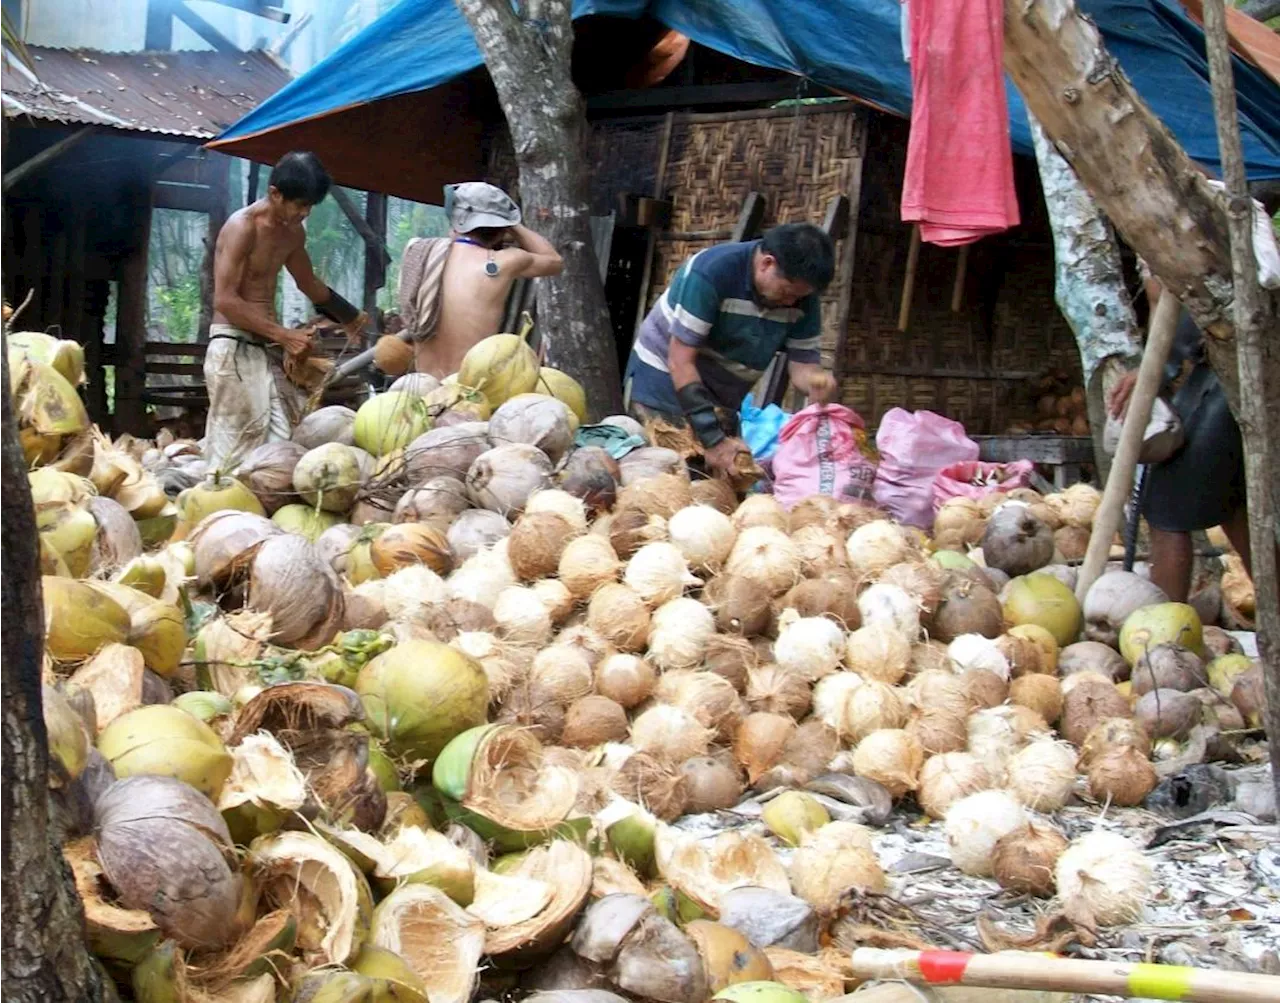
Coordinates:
[354,330]
[298,341]
[1118,399]
[721,456]
[822,387]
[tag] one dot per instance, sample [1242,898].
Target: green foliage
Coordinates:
[406,220]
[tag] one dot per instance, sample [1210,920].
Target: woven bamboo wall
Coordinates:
[1008,328]
[799,158]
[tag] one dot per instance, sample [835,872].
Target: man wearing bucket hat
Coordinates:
[456,291]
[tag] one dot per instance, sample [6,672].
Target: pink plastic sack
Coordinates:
[914,447]
[818,454]
[975,479]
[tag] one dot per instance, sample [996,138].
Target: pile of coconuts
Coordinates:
[428,744]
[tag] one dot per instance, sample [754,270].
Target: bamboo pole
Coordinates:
[1250,310]
[1120,478]
[1027,970]
[909,280]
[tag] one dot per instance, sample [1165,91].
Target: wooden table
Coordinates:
[1065,453]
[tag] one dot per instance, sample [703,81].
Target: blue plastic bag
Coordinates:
[760,428]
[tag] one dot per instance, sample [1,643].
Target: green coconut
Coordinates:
[79,619]
[631,836]
[565,389]
[792,815]
[1163,623]
[156,529]
[49,409]
[1045,601]
[216,493]
[166,741]
[500,367]
[383,768]
[305,520]
[66,357]
[1224,670]
[204,705]
[760,992]
[329,476]
[379,963]
[494,781]
[49,484]
[952,560]
[420,694]
[70,531]
[390,421]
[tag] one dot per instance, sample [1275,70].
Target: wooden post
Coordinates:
[131,322]
[372,240]
[375,268]
[849,261]
[909,281]
[1249,310]
[1120,478]
[255,170]
[659,182]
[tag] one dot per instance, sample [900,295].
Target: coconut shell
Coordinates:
[1024,860]
[593,720]
[834,596]
[659,962]
[710,785]
[1122,776]
[1092,656]
[1041,693]
[966,607]
[939,732]
[731,657]
[1167,713]
[632,528]
[531,706]
[591,474]
[1016,542]
[653,784]
[618,614]
[662,495]
[741,604]
[760,742]
[715,492]
[1086,705]
[1167,667]
[536,542]
[984,688]
[808,751]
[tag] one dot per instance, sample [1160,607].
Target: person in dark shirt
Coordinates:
[718,325]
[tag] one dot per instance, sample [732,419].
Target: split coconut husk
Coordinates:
[304,874]
[529,910]
[265,788]
[113,678]
[113,931]
[494,780]
[441,942]
[703,870]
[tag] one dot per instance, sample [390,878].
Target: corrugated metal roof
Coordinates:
[191,94]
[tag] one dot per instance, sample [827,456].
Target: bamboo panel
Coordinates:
[799,159]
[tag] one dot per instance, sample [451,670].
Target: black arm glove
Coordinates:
[700,410]
[337,309]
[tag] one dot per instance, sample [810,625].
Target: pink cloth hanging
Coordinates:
[959,179]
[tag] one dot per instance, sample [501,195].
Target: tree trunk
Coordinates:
[1089,284]
[527,53]
[44,954]
[1250,318]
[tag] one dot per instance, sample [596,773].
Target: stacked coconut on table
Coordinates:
[436,717]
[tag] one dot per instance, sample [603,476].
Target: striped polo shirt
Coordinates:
[711,305]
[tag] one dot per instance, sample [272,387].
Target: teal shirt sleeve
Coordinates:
[805,337]
[694,305]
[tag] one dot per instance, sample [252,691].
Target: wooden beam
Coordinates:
[375,268]
[45,157]
[257,7]
[255,172]
[203,28]
[659,183]
[850,251]
[188,198]
[750,218]
[280,47]
[131,322]
[702,95]
[354,217]
[159,30]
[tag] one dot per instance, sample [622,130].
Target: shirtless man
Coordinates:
[490,251]
[251,400]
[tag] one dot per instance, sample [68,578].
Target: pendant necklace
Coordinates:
[490,266]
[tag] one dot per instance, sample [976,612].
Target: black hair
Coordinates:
[803,251]
[1268,193]
[300,177]
[490,236]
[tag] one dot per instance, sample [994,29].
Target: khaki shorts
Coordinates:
[251,401]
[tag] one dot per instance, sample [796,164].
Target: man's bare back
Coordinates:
[472,300]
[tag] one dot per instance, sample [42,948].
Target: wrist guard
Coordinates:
[337,309]
[700,410]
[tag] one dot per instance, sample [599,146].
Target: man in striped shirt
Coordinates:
[716,328]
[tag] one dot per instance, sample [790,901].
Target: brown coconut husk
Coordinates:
[1024,860]
[939,732]
[662,495]
[408,543]
[618,614]
[775,690]
[530,706]
[536,542]
[741,605]
[593,720]
[709,697]
[815,510]
[984,688]
[653,784]
[833,595]
[299,589]
[731,657]
[810,749]
[714,492]
[1088,704]
[760,742]
[631,528]
[710,784]
[966,608]
[1023,654]
[1121,776]
[1040,693]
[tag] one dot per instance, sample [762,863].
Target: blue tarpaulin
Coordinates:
[850,45]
